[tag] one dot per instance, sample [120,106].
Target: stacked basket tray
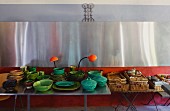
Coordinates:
[137,81]
[117,82]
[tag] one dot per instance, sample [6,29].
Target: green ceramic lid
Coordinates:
[89,84]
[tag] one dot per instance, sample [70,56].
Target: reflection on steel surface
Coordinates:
[114,43]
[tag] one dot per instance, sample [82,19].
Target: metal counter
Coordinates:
[21,90]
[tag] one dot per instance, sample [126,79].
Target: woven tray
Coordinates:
[116,78]
[118,87]
[143,87]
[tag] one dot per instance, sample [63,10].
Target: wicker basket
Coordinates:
[139,87]
[137,83]
[119,87]
[116,78]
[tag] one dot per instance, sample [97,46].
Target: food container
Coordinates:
[89,84]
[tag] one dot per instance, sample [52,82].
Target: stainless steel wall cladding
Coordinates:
[114,43]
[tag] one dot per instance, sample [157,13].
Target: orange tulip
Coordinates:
[92,57]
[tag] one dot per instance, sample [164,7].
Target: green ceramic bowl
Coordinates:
[59,77]
[89,84]
[101,80]
[32,69]
[92,74]
[32,75]
[43,85]
[75,75]
[58,71]
[43,77]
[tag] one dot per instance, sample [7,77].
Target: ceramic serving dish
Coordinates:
[43,85]
[92,74]
[58,77]
[101,80]
[89,84]
[43,77]
[75,75]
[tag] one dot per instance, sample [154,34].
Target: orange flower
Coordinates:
[92,57]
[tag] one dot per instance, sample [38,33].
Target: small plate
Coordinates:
[64,83]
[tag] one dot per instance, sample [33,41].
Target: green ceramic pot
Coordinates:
[32,69]
[58,71]
[75,75]
[43,85]
[101,80]
[92,74]
[89,84]
[28,84]
[32,75]
[58,77]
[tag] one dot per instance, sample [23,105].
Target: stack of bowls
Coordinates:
[15,74]
[58,74]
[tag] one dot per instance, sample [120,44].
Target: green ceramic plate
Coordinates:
[64,83]
[70,88]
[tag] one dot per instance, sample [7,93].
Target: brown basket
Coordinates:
[118,87]
[116,78]
[135,78]
[143,87]
[137,83]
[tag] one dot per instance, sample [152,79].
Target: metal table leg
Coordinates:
[152,98]
[166,102]
[28,102]
[15,102]
[85,102]
[155,104]
[21,101]
[130,102]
